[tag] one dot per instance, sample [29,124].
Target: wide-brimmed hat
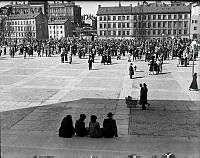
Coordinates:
[110,114]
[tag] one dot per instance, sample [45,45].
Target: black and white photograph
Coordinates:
[100,79]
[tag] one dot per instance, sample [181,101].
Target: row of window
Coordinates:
[20,34]
[194,21]
[60,10]
[148,32]
[24,22]
[55,27]
[168,24]
[107,18]
[53,32]
[21,28]
[114,25]
[145,17]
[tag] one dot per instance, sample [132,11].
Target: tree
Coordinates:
[2,30]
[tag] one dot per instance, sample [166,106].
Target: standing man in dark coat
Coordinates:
[90,60]
[146,92]
[131,70]
[109,127]
[4,50]
[142,97]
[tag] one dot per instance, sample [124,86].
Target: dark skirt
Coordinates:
[194,84]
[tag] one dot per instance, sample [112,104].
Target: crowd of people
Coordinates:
[109,129]
[152,50]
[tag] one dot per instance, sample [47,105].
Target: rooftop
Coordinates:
[57,22]
[114,10]
[150,8]
[23,16]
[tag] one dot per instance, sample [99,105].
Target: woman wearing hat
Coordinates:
[109,127]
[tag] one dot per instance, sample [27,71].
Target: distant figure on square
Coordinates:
[90,60]
[94,128]
[67,129]
[146,91]
[80,128]
[109,127]
[193,85]
[142,97]
[131,70]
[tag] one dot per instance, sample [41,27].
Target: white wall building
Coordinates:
[60,28]
[195,21]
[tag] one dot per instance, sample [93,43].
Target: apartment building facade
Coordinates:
[150,21]
[195,21]
[29,7]
[60,29]
[65,11]
[26,27]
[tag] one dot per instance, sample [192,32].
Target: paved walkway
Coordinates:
[36,93]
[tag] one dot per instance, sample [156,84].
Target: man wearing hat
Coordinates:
[109,127]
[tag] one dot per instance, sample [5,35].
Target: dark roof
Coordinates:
[23,16]
[17,5]
[114,10]
[57,22]
[151,8]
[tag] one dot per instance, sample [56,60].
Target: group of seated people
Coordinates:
[109,129]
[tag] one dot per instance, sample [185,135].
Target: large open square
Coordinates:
[37,92]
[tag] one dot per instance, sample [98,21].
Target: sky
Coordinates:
[91,7]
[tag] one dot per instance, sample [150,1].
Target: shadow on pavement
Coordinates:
[164,117]
[138,77]
[98,69]
[163,73]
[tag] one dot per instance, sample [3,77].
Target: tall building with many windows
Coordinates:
[29,7]
[149,21]
[26,27]
[65,11]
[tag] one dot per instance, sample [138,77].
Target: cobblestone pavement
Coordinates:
[36,93]
[165,123]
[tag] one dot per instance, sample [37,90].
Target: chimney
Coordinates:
[99,6]
[119,4]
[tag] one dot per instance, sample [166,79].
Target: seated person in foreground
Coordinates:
[80,128]
[109,127]
[94,128]
[67,129]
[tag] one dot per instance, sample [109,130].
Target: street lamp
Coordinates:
[172,46]
[193,45]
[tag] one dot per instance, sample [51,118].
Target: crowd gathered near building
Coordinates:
[153,51]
